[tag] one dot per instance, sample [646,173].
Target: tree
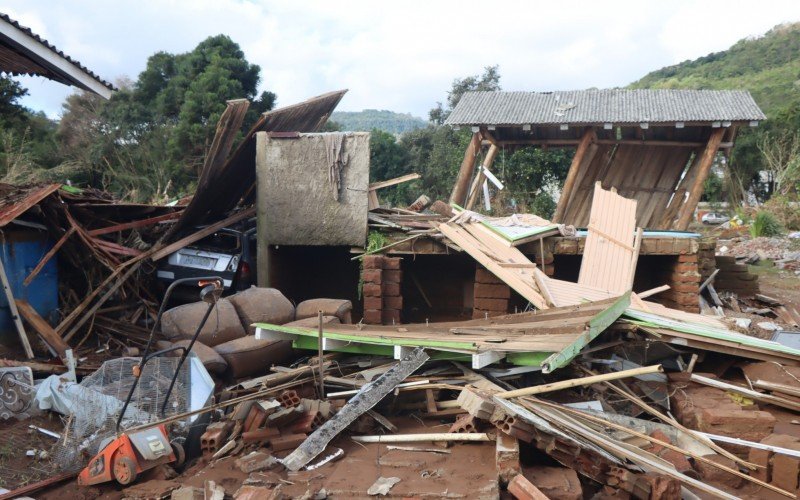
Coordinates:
[489,80]
[781,154]
[149,140]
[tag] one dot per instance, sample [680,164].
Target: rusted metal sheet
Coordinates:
[16,200]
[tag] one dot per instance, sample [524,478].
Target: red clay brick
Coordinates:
[373,262]
[372,276]
[693,288]
[390,317]
[484,276]
[372,290]
[785,470]
[391,262]
[491,304]
[375,303]
[392,276]
[288,442]
[760,458]
[393,303]
[372,317]
[749,425]
[487,291]
[522,489]
[688,258]
[391,289]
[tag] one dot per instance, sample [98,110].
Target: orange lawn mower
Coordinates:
[124,458]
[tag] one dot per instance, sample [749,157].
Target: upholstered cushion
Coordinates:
[213,362]
[313,322]
[262,305]
[330,307]
[249,356]
[223,324]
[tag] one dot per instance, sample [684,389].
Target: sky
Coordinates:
[400,56]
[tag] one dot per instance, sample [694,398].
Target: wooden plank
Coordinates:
[459,194]
[520,279]
[758,396]
[137,224]
[49,255]
[487,164]
[392,182]
[696,190]
[45,331]
[369,395]
[10,211]
[653,291]
[12,308]
[164,251]
[572,175]
[607,258]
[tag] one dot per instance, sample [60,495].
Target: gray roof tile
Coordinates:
[615,106]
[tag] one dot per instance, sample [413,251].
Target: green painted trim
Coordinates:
[655,321]
[496,231]
[527,358]
[311,343]
[433,344]
[596,326]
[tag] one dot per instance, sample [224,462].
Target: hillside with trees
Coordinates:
[369,119]
[769,67]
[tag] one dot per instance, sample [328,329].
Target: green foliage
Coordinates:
[436,154]
[489,80]
[786,209]
[531,174]
[768,67]
[712,189]
[765,224]
[369,119]
[148,142]
[389,159]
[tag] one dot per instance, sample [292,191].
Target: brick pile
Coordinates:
[684,281]
[381,277]
[778,469]
[712,410]
[491,296]
[734,277]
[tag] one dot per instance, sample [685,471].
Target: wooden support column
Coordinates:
[262,245]
[481,177]
[459,194]
[703,168]
[572,175]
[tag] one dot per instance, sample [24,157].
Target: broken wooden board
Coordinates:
[609,257]
[507,263]
[45,331]
[550,339]
[367,397]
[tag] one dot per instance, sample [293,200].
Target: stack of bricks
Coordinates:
[706,257]
[381,277]
[778,469]
[684,282]
[392,298]
[736,278]
[491,295]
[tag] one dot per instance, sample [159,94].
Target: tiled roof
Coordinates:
[614,106]
[19,60]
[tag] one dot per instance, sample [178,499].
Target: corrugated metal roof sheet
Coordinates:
[615,106]
[15,60]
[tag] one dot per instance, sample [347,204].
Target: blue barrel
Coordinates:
[21,250]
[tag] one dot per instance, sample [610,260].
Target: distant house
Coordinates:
[22,52]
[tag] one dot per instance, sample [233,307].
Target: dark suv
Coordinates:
[229,253]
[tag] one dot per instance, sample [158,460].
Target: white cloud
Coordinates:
[401,56]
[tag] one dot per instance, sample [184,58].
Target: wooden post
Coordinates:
[459,194]
[12,309]
[572,175]
[321,359]
[703,168]
[475,188]
[262,245]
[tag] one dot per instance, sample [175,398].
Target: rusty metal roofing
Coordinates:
[237,176]
[616,106]
[16,200]
[23,52]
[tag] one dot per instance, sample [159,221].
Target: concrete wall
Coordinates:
[296,204]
